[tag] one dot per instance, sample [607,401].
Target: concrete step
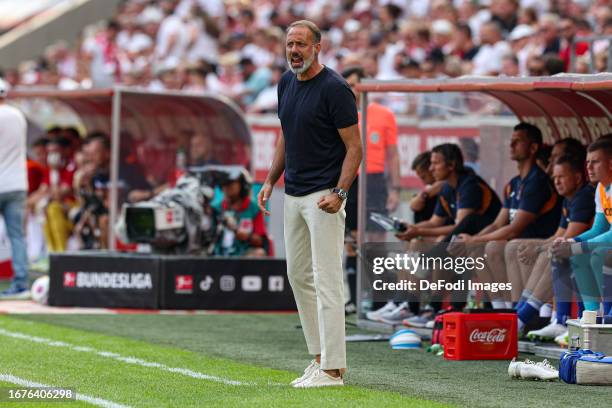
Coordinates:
[546,350]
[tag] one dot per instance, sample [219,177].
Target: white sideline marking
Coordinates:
[86,398]
[130,360]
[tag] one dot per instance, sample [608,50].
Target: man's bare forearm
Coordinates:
[487,229]
[436,231]
[394,167]
[350,165]
[354,155]
[505,233]
[278,164]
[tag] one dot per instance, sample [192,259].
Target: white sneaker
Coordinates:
[310,370]
[11,294]
[421,319]
[541,371]
[350,308]
[563,339]
[375,314]
[548,332]
[320,379]
[514,369]
[396,315]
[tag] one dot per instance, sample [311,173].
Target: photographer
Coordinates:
[91,185]
[244,228]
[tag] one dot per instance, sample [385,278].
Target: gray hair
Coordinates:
[316,33]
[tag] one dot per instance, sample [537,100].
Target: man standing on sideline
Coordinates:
[13,191]
[320,152]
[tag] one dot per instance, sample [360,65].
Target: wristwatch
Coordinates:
[341,193]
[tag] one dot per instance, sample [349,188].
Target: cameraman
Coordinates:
[244,228]
[91,221]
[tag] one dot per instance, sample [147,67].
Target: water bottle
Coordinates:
[181,158]
[574,343]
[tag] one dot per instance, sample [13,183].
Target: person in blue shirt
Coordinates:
[562,147]
[531,210]
[466,204]
[588,251]
[319,152]
[463,194]
[533,194]
[424,203]
[528,263]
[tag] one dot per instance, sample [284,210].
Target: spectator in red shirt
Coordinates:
[55,195]
[39,151]
[36,173]
[59,172]
[36,164]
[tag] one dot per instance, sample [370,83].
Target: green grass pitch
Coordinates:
[246,360]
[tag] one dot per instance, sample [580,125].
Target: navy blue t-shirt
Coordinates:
[427,211]
[581,208]
[472,192]
[535,194]
[311,112]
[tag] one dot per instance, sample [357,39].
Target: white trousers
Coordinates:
[314,242]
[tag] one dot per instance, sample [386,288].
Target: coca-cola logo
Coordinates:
[490,336]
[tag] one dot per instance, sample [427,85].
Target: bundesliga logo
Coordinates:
[491,336]
[183,284]
[108,280]
[70,279]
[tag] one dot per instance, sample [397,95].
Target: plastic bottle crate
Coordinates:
[481,336]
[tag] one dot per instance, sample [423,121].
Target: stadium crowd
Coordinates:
[235,47]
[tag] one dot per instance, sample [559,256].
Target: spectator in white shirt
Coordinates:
[523,45]
[101,53]
[267,100]
[131,35]
[213,8]
[173,36]
[204,33]
[492,49]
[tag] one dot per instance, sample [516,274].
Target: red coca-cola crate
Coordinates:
[480,336]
